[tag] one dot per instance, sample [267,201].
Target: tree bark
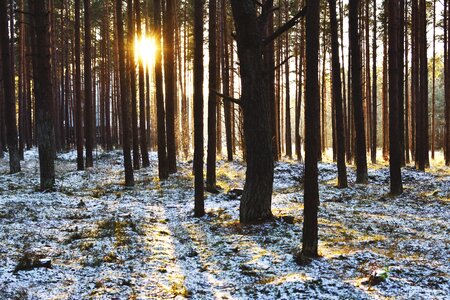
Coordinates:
[257,196]
[89,123]
[9,92]
[170,84]
[394,98]
[43,94]
[129,177]
[358,113]
[311,186]
[212,100]
[199,209]
[337,96]
[163,167]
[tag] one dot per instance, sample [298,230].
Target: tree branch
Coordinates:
[227,98]
[283,62]
[286,26]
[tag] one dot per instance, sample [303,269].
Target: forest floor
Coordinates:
[105,241]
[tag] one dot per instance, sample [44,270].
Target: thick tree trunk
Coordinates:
[9,92]
[43,94]
[257,196]
[360,147]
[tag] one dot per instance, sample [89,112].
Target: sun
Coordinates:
[145,49]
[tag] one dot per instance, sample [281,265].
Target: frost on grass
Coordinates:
[101,240]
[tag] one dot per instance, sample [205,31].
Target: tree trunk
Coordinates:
[199,209]
[77,86]
[170,84]
[129,177]
[337,96]
[212,99]
[394,98]
[311,186]
[142,130]
[374,86]
[43,94]
[163,167]
[9,92]
[257,196]
[88,116]
[360,147]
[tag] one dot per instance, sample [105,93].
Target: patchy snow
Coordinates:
[106,241]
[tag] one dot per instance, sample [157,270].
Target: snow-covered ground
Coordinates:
[106,241]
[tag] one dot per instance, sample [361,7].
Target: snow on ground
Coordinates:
[106,241]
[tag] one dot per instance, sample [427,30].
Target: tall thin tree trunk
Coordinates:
[9,92]
[212,107]
[170,83]
[360,146]
[129,177]
[374,86]
[394,97]
[88,116]
[337,96]
[142,92]
[312,99]
[199,209]
[163,167]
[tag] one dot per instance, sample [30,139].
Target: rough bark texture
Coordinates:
[212,98]
[199,209]
[337,96]
[9,93]
[132,83]
[395,151]
[43,94]
[129,177]
[77,86]
[142,121]
[163,168]
[89,128]
[257,196]
[170,84]
[311,186]
[358,113]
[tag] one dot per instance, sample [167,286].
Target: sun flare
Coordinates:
[145,49]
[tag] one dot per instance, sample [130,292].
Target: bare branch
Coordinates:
[286,26]
[227,98]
